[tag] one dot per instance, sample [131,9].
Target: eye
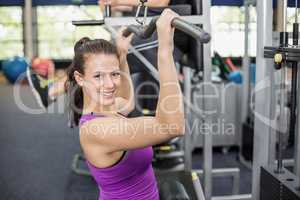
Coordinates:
[98,76]
[116,74]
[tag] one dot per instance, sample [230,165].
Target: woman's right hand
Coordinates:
[165,31]
[123,43]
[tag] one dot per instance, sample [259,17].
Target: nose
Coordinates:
[108,82]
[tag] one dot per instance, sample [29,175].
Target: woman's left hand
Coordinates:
[122,42]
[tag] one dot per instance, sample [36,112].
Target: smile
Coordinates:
[107,94]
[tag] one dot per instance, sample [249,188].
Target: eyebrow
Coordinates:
[102,72]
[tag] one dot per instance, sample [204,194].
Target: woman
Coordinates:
[47,90]
[118,149]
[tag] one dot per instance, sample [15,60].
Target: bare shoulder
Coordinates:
[94,128]
[97,154]
[100,158]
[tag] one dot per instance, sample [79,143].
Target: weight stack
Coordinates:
[274,186]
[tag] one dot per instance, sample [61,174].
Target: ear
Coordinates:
[79,78]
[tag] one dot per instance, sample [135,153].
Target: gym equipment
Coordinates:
[141,6]
[168,156]
[14,67]
[78,159]
[192,79]
[263,145]
[107,11]
[277,186]
[246,126]
[42,66]
[270,180]
[168,164]
[186,27]
[175,180]
[247,142]
[173,190]
[127,21]
[283,56]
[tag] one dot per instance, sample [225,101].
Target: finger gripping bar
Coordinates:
[186,27]
[191,29]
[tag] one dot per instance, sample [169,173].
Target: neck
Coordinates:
[91,107]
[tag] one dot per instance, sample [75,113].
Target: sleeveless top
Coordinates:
[132,178]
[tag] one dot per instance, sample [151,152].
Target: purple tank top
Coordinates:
[130,179]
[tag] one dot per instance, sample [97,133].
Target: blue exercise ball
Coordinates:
[14,67]
[236,77]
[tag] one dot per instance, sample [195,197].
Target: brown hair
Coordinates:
[82,48]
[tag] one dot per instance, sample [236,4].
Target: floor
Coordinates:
[36,151]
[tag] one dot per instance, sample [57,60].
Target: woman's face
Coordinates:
[102,78]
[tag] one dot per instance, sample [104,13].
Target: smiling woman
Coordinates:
[118,150]
[102,78]
[95,76]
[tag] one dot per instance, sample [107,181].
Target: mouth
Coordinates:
[107,94]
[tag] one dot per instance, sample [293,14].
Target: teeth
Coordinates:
[108,94]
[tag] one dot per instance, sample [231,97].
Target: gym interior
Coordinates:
[237,65]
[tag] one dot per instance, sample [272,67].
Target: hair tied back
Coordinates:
[80,43]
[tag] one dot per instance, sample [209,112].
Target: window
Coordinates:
[11,32]
[291,19]
[228,31]
[57,35]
